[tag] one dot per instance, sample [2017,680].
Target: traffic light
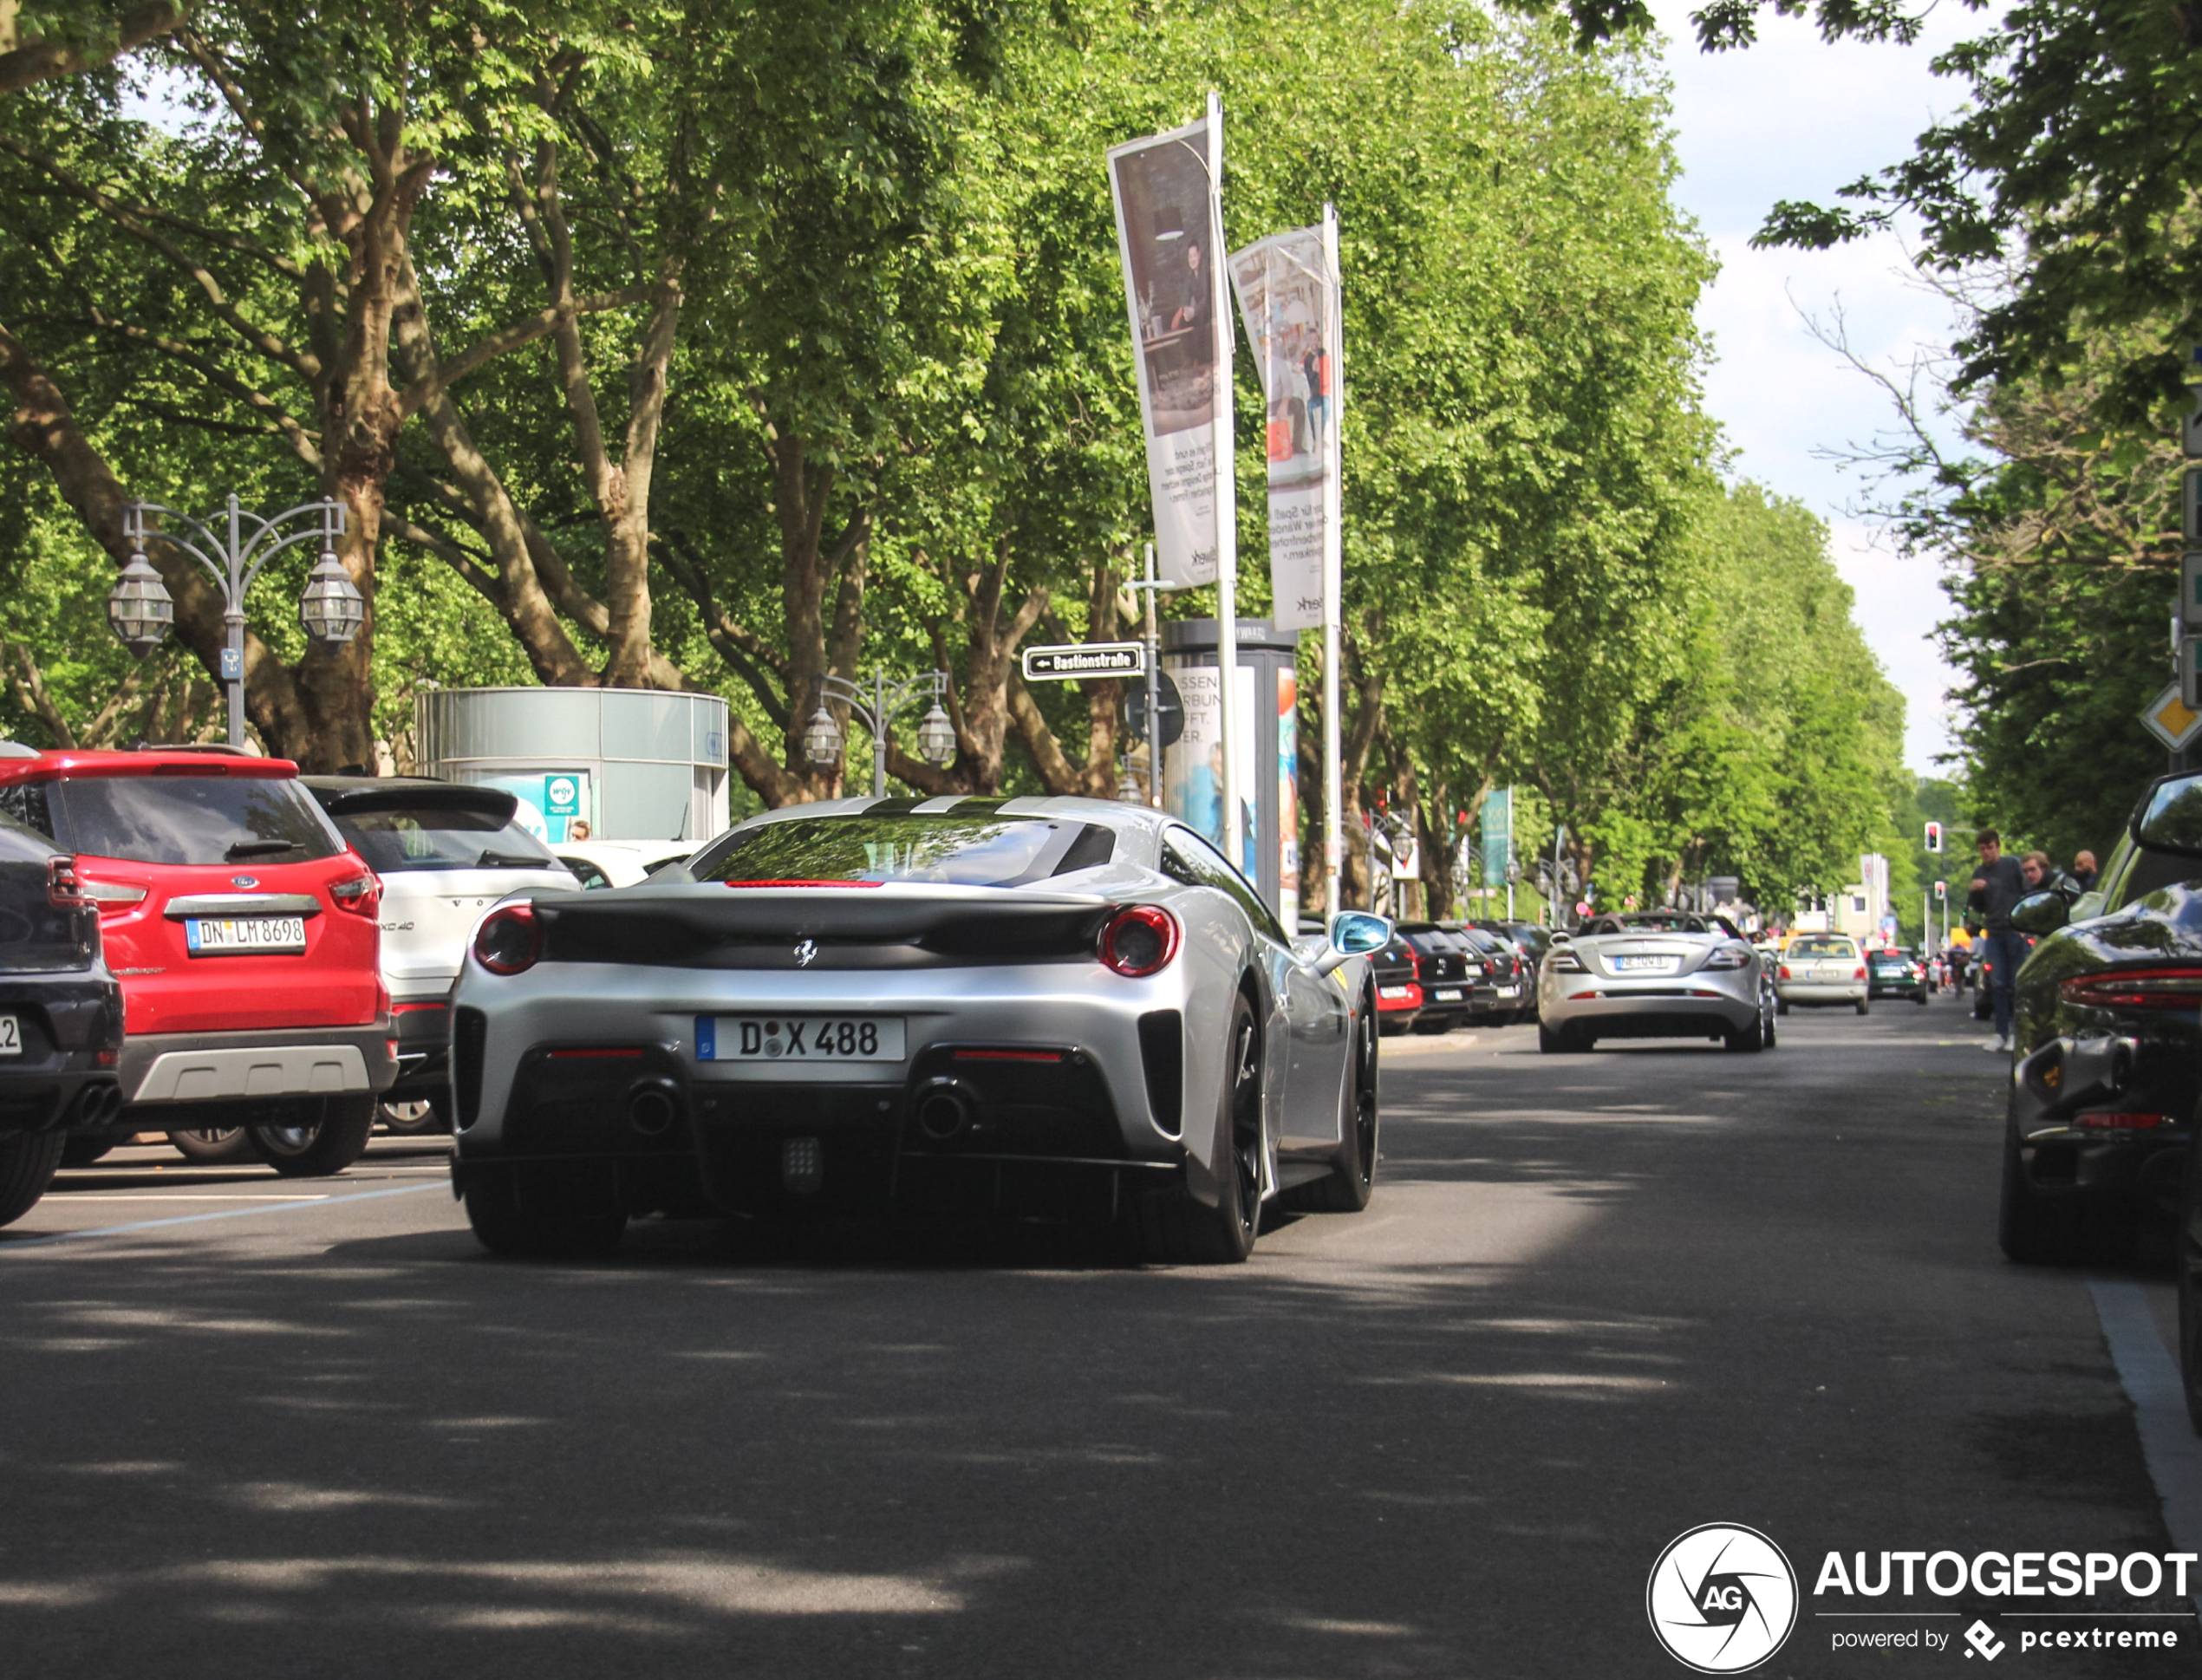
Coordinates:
[1934,836]
[1941,892]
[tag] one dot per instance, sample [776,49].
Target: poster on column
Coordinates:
[1169,233]
[1289,300]
[1193,766]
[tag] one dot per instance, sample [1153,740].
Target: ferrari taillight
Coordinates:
[1138,941]
[510,940]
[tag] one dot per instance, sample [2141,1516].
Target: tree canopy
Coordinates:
[722,348]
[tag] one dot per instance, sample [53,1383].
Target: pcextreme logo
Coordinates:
[1721,1598]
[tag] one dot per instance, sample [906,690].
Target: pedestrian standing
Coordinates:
[2083,870]
[1996,885]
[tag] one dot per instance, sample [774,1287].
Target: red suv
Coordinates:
[244,933]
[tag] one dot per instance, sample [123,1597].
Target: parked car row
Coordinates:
[204,944]
[1434,976]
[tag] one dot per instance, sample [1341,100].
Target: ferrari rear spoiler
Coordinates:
[893,925]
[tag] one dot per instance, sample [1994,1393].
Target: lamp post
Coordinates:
[140,610]
[822,739]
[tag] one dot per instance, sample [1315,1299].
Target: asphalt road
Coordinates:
[1599,1301]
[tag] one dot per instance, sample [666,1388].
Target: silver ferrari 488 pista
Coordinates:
[1066,1007]
[1654,974]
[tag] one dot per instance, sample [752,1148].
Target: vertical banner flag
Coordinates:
[1288,298]
[1498,835]
[1169,225]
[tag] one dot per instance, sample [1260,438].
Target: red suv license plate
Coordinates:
[231,936]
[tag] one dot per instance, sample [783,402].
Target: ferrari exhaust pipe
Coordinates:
[652,1107]
[944,1110]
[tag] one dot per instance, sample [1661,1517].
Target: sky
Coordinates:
[1795,118]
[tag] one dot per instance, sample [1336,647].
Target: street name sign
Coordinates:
[2170,719]
[1085,659]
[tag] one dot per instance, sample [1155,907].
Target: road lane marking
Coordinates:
[7,1247]
[2168,1442]
[184,1195]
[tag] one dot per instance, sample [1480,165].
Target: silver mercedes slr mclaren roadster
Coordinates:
[1654,974]
[1062,1007]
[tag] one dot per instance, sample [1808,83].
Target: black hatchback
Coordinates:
[61,1016]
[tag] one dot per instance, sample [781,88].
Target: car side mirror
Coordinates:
[2041,913]
[1353,934]
[2170,817]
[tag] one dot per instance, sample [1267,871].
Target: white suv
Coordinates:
[447,852]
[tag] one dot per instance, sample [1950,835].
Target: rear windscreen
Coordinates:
[426,838]
[941,849]
[191,819]
[1822,947]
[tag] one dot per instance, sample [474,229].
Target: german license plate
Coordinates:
[1644,965]
[1509,990]
[1451,995]
[798,1038]
[11,1036]
[225,936]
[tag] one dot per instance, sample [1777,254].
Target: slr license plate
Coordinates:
[226,936]
[1644,965]
[11,1036]
[798,1038]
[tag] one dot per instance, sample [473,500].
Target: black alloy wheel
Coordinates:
[506,1224]
[1245,1128]
[1174,1226]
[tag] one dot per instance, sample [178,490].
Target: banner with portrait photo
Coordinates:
[1289,296]
[1169,232]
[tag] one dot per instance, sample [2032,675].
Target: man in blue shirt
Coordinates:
[1996,885]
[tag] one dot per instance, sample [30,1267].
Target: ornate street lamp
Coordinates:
[936,737]
[822,740]
[331,609]
[140,608]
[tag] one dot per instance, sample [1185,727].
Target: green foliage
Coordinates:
[891,229]
[2058,662]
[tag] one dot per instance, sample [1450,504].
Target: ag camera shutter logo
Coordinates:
[1721,1598]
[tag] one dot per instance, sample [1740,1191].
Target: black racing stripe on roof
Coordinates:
[891,807]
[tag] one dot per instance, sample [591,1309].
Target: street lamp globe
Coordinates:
[138,607]
[936,737]
[1128,791]
[822,741]
[332,609]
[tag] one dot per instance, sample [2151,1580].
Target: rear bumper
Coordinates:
[191,1068]
[1805,992]
[969,1129]
[70,1026]
[1651,1014]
